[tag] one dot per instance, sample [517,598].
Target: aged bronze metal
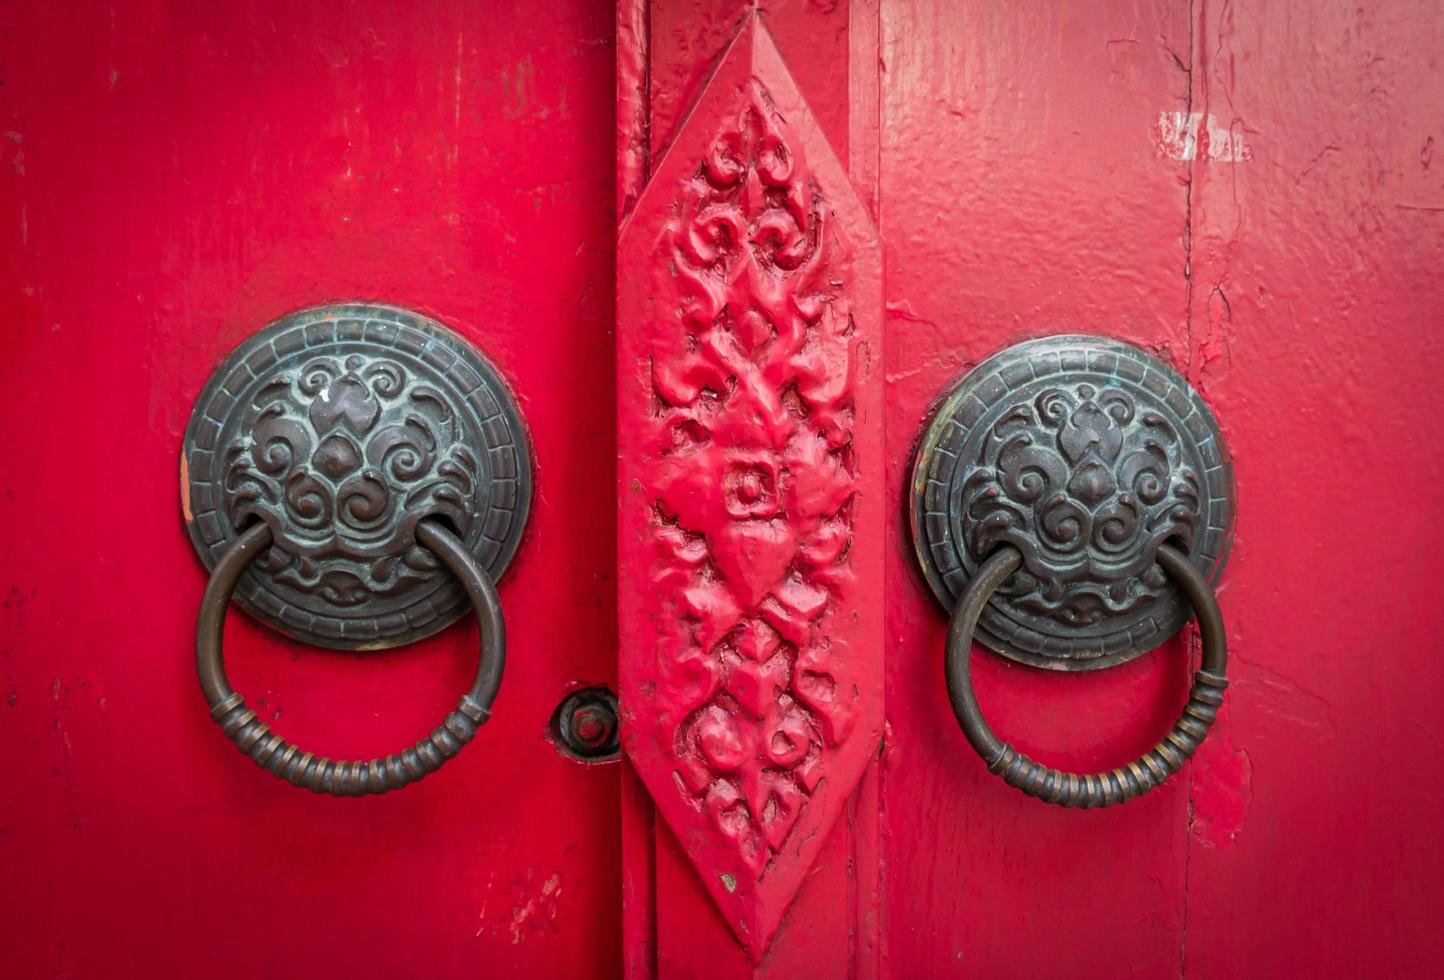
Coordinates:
[585,725]
[322,775]
[1117,785]
[1085,455]
[352,475]
[1071,500]
[341,429]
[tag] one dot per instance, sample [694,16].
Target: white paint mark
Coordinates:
[543,905]
[454,154]
[1177,137]
[491,879]
[457,109]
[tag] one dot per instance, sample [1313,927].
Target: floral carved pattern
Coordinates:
[1087,485]
[752,512]
[341,428]
[1084,454]
[749,320]
[342,486]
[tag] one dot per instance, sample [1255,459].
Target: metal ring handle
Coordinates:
[1117,785]
[319,774]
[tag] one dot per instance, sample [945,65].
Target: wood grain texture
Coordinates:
[1251,192]
[1315,300]
[175,176]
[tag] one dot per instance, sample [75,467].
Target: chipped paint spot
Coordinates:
[536,913]
[1221,790]
[729,883]
[456,107]
[1177,137]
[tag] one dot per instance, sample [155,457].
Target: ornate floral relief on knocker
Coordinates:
[341,428]
[1085,455]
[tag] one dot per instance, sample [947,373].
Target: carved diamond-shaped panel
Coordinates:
[749,389]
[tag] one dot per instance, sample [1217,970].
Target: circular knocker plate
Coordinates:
[341,428]
[1086,455]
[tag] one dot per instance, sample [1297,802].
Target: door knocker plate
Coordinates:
[1086,455]
[341,428]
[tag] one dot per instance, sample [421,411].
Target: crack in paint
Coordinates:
[1193,13]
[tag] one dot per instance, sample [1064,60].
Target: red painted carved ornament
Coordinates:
[751,516]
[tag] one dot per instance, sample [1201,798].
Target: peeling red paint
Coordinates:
[535,909]
[1220,789]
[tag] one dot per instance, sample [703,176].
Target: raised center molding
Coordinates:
[751,487]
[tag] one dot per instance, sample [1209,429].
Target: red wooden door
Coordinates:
[1248,192]
[176,176]
[813,218]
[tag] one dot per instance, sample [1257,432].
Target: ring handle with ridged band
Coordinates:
[341,778]
[1091,789]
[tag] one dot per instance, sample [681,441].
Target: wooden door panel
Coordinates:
[1251,194]
[1022,195]
[1316,298]
[176,176]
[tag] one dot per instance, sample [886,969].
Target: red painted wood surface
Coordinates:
[1252,194]
[749,413]
[1038,175]
[1251,191]
[674,78]
[1022,195]
[175,176]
